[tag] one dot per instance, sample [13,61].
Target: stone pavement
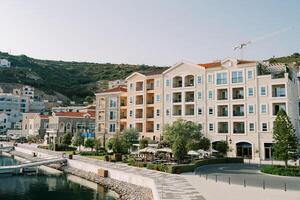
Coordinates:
[169,186]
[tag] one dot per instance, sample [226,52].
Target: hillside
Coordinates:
[294,58]
[76,80]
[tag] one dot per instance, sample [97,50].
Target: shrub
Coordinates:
[92,153]
[61,147]
[281,170]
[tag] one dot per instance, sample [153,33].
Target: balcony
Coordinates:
[123,115]
[222,94]
[139,86]
[238,110]
[139,100]
[149,127]
[150,84]
[189,97]
[223,111]
[238,93]
[139,127]
[189,81]
[222,127]
[238,127]
[122,126]
[177,110]
[150,98]
[150,113]
[189,110]
[278,90]
[177,82]
[139,113]
[177,97]
[277,107]
[123,101]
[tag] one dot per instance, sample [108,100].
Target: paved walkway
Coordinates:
[169,186]
[250,175]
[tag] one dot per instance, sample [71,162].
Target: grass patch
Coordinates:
[96,157]
[281,171]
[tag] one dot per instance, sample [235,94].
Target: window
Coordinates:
[130,113]
[199,79]
[264,127]
[112,128]
[130,126]
[112,115]
[167,82]
[237,77]
[263,108]
[221,78]
[210,78]
[250,92]
[167,112]
[211,127]
[131,86]
[263,91]
[251,127]
[157,127]
[250,109]
[199,95]
[157,112]
[167,97]
[157,98]
[210,111]
[250,74]
[199,111]
[130,100]
[113,102]
[157,83]
[210,94]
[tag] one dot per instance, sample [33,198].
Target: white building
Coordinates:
[4,63]
[4,123]
[28,91]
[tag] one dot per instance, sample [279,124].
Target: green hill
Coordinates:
[75,80]
[294,58]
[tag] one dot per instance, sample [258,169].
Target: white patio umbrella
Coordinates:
[202,151]
[214,151]
[148,150]
[165,150]
[193,153]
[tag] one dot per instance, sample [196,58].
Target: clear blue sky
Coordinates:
[159,32]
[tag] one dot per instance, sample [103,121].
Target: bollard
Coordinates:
[216,178]
[206,177]
[229,180]
[244,182]
[264,185]
[285,187]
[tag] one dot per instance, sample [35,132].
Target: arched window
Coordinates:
[177,82]
[189,81]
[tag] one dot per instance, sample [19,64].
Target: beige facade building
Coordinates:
[234,100]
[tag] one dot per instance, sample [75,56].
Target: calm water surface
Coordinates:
[48,187]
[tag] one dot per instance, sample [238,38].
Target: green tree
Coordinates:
[204,143]
[179,149]
[144,143]
[131,136]
[222,147]
[98,144]
[90,143]
[118,144]
[286,142]
[77,141]
[66,139]
[163,143]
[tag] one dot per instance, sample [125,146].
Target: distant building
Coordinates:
[67,109]
[4,123]
[116,83]
[35,124]
[37,106]
[4,63]
[69,122]
[28,91]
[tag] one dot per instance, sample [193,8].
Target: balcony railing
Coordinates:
[150,86]
[238,113]
[177,100]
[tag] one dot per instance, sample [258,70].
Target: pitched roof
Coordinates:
[115,89]
[211,64]
[74,114]
[245,61]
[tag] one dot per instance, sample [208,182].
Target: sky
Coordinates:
[156,32]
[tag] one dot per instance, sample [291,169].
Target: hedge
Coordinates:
[92,153]
[281,171]
[181,168]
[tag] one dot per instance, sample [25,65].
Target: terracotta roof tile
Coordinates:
[116,89]
[74,114]
[212,64]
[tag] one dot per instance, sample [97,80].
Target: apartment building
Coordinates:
[35,124]
[111,111]
[145,103]
[234,101]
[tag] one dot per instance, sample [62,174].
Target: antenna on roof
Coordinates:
[242,45]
